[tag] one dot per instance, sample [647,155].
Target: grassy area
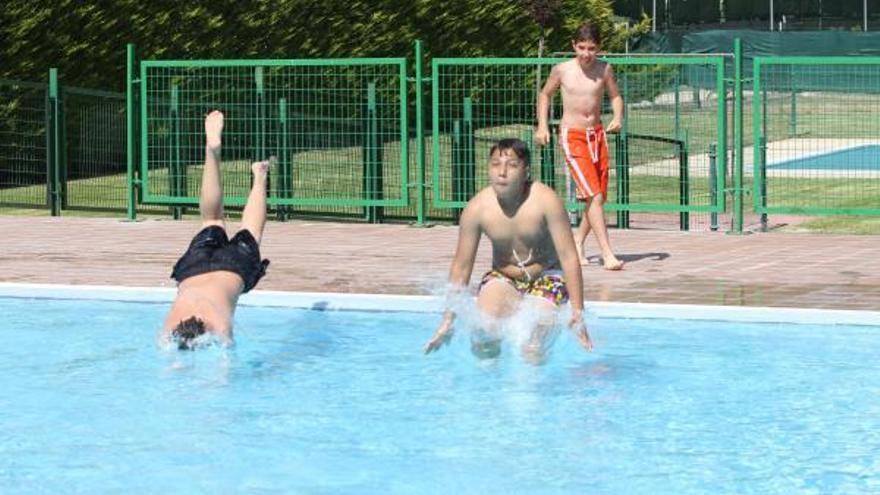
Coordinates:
[109,191]
[838,225]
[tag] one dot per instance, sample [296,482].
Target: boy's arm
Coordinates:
[542,133]
[616,100]
[469,232]
[563,241]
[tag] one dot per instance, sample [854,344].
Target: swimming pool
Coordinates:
[343,402]
[865,157]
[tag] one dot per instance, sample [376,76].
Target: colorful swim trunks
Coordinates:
[586,152]
[549,285]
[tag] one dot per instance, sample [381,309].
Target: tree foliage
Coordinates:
[86,40]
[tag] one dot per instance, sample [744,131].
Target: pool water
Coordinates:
[344,402]
[866,157]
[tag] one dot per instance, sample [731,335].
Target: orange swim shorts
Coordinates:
[586,152]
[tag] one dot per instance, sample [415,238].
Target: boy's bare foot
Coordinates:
[580,252]
[612,263]
[260,170]
[213,129]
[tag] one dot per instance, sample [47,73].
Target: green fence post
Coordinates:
[759,131]
[261,121]
[792,115]
[175,172]
[684,186]
[133,183]
[420,140]
[621,167]
[738,138]
[713,186]
[621,162]
[469,150]
[677,103]
[548,166]
[372,171]
[457,167]
[463,156]
[763,181]
[286,179]
[53,148]
[61,122]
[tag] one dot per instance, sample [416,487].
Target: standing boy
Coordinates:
[584,80]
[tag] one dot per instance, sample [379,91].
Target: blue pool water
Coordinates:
[865,157]
[344,402]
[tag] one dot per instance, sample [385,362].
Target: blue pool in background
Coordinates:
[866,157]
[344,402]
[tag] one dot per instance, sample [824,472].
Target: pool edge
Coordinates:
[433,304]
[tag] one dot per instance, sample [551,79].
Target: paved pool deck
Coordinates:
[759,269]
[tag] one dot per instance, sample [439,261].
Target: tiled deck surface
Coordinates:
[770,269]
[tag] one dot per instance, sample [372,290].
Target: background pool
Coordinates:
[865,157]
[344,402]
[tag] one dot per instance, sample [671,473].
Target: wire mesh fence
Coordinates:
[23,144]
[344,146]
[665,160]
[818,146]
[337,128]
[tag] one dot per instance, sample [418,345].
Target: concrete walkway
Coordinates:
[770,269]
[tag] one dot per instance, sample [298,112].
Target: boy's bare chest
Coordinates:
[577,82]
[524,228]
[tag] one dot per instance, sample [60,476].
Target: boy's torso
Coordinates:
[582,91]
[525,235]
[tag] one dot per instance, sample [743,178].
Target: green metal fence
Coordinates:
[817,122]
[61,147]
[23,144]
[670,156]
[94,132]
[340,131]
[337,127]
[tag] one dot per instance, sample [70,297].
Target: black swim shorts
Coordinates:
[211,250]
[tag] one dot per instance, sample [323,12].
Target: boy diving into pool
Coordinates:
[535,263]
[215,269]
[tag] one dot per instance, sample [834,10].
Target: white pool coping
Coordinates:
[331,301]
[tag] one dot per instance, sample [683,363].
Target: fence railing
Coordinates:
[61,147]
[663,158]
[341,132]
[818,135]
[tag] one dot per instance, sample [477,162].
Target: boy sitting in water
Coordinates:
[215,269]
[531,240]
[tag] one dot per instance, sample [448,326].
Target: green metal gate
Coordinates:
[670,156]
[337,127]
[817,128]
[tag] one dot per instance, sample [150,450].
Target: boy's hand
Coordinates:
[577,325]
[440,337]
[542,136]
[614,126]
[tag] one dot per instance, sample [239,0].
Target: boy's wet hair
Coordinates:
[186,332]
[518,146]
[587,32]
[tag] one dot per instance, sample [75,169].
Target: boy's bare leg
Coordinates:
[596,215]
[580,235]
[537,347]
[254,216]
[211,195]
[497,300]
